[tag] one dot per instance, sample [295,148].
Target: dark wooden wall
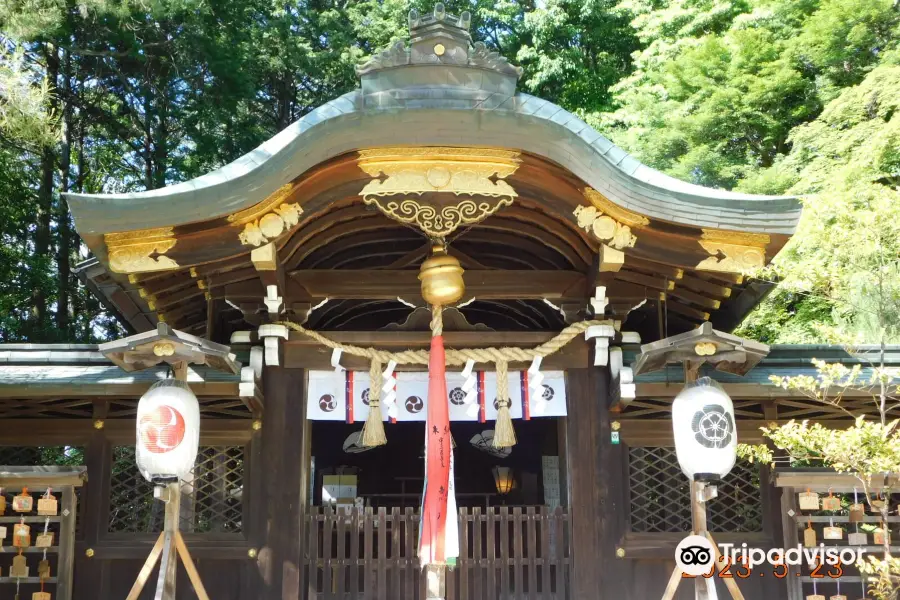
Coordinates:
[595,480]
[598,488]
[274,486]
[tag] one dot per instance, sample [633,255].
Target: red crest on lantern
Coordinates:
[162,429]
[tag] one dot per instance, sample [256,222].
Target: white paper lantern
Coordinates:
[704,428]
[168,431]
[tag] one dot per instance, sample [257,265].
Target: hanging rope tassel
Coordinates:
[373,430]
[504,434]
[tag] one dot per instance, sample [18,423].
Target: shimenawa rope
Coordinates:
[504,435]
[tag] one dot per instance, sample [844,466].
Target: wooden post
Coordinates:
[698,507]
[165,583]
[435,582]
[597,489]
[91,573]
[582,469]
[698,524]
[67,532]
[284,464]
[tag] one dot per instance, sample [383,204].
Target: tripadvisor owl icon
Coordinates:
[694,555]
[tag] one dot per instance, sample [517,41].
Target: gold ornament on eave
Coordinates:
[442,278]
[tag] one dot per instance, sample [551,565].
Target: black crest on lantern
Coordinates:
[713,426]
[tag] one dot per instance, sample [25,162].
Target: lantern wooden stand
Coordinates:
[178,349]
[169,546]
[728,353]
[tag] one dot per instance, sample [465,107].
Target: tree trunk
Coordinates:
[45,204]
[64,248]
[161,144]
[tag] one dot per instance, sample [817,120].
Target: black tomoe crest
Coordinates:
[327,403]
[414,404]
[713,426]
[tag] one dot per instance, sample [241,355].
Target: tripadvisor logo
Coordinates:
[695,555]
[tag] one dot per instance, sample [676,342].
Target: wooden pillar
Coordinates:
[772,512]
[90,573]
[597,489]
[282,492]
[583,473]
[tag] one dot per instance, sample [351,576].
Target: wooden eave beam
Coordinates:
[686,311]
[736,391]
[221,389]
[383,284]
[213,431]
[706,287]
[658,432]
[304,352]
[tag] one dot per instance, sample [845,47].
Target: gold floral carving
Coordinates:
[279,197]
[733,251]
[270,225]
[608,207]
[457,171]
[604,227]
[140,251]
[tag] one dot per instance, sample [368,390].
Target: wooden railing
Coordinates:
[505,553]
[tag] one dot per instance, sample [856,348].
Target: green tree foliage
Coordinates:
[868,450]
[781,96]
[847,249]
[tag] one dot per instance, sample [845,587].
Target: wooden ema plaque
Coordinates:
[23,503]
[815,597]
[21,535]
[19,567]
[40,596]
[831,503]
[833,533]
[857,539]
[2,502]
[808,501]
[809,537]
[878,536]
[44,540]
[48,506]
[857,513]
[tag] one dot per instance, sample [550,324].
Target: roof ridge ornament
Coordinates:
[439,38]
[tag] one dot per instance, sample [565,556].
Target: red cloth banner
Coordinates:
[438,463]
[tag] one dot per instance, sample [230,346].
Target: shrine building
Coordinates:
[326,226]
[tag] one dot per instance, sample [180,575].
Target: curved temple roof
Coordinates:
[183,253]
[440,91]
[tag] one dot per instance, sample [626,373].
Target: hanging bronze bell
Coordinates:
[442,278]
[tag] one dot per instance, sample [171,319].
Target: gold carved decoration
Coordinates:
[271,225]
[434,222]
[457,171]
[705,348]
[608,207]
[733,251]
[140,251]
[256,211]
[604,227]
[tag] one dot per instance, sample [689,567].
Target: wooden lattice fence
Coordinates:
[505,553]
